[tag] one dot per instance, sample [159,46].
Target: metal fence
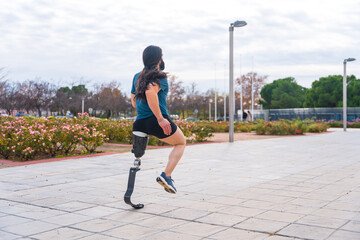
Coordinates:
[325,114]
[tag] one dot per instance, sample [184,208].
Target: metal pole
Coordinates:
[82,105]
[224,93]
[215,116]
[241,101]
[231,85]
[252,97]
[241,107]
[344,98]
[209,111]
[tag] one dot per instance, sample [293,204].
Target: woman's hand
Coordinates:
[165,125]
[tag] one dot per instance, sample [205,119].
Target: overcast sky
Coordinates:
[102,40]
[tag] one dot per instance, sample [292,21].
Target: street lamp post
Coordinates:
[252,97]
[210,101]
[241,102]
[345,93]
[231,77]
[82,105]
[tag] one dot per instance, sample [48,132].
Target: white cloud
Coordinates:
[103,40]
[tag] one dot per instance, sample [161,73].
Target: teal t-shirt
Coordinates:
[142,108]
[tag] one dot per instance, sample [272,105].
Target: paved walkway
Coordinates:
[283,188]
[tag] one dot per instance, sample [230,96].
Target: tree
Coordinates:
[36,95]
[61,101]
[112,99]
[176,96]
[283,93]
[245,81]
[353,92]
[9,97]
[325,92]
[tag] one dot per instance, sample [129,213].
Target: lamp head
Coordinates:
[349,60]
[238,24]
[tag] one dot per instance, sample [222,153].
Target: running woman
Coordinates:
[148,96]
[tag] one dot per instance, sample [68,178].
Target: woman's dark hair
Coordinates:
[152,55]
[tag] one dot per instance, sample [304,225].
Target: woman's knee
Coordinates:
[182,141]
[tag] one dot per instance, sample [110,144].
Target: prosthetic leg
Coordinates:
[140,141]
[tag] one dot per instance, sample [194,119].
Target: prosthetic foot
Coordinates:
[140,141]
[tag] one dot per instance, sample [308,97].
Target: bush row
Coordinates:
[29,138]
[339,124]
[287,127]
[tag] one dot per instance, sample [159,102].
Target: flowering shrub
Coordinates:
[28,138]
[339,124]
[287,127]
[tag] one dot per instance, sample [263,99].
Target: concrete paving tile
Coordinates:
[73,206]
[309,202]
[232,233]
[345,206]
[8,236]
[305,231]
[290,208]
[275,237]
[172,236]
[186,214]
[270,186]
[280,216]
[198,229]
[323,197]
[12,220]
[261,225]
[352,226]
[39,214]
[300,189]
[276,198]
[98,237]
[287,193]
[260,190]
[97,225]
[207,206]
[14,209]
[159,222]
[221,219]
[226,200]
[30,228]
[50,201]
[128,216]
[332,213]
[157,208]
[178,202]
[62,233]
[242,211]
[98,211]
[258,204]
[131,231]
[67,219]
[322,221]
[341,235]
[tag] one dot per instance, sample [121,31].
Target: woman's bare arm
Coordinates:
[133,102]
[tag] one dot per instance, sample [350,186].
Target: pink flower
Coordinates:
[297,131]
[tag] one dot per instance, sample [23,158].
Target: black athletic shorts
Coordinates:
[151,126]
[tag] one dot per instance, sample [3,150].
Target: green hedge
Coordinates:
[287,127]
